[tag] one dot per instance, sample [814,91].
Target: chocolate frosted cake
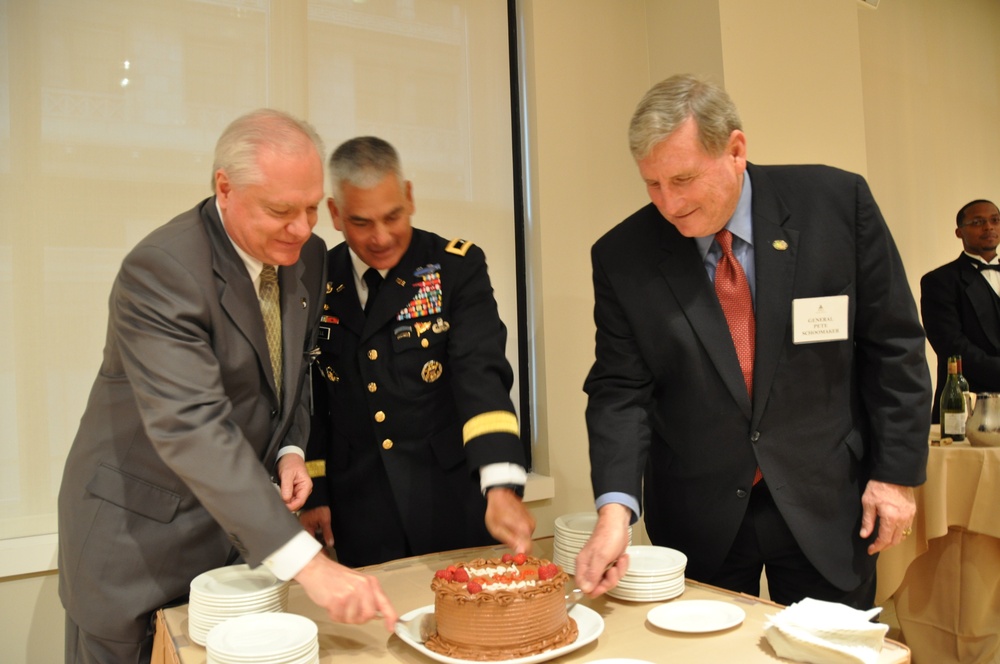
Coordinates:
[501,608]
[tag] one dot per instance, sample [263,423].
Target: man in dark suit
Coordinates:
[760,377]
[197,411]
[415,438]
[960,306]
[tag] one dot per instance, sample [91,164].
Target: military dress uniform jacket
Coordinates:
[410,402]
[669,416]
[171,470]
[961,314]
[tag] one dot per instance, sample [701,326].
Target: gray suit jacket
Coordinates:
[668,414]
[171,469]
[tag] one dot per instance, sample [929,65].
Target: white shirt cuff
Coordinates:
[289,560]
[290,449]
[501,473]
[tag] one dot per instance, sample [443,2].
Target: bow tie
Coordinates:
[987,266]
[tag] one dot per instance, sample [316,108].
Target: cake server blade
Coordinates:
[420,627]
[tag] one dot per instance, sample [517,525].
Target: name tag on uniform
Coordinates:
[816,319]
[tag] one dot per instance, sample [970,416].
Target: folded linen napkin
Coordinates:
[826,633]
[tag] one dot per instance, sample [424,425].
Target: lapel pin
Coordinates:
[340,288]
[401,282]
[304,303]
[780,245]
[329,287]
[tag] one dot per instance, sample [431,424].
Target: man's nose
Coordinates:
[301,225]
[379,235]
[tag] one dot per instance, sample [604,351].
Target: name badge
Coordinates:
[816,319]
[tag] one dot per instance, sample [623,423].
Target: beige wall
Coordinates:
[931,80]
[906,94]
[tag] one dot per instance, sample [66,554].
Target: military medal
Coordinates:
[427,300]
[432,371]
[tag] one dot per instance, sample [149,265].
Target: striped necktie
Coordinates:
[270,308]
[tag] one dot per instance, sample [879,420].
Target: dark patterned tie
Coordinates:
[733,291]
[270,308]
[373,280]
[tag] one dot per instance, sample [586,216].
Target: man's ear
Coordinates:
[334,214]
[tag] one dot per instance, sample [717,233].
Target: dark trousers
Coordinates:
[85,648]
[764,543]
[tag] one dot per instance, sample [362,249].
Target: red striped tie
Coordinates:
[733,291]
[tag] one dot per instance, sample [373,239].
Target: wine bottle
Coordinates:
[963,385]
[953,409]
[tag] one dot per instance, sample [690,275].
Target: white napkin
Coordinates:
[826,633]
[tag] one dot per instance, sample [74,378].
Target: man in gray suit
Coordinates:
[193,418]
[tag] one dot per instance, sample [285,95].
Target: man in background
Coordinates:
[198,407]
[960,305]
[415,439]
[760,378]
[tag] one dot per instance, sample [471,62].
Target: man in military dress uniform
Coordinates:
[414,445]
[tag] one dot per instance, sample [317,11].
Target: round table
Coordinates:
[945,578]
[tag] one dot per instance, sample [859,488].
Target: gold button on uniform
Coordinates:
[372,387]
[425,343]
[386,444]
[380,416]
[373,354]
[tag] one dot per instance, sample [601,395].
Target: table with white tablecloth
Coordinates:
[944,579]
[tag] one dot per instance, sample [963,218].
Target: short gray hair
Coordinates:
[249,135]
[669,103]
[363,162]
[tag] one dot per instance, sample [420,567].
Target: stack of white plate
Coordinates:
[264,638]
[572,532]
[655,573]
[228,592]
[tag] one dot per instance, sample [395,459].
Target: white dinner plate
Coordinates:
[643,596]
[654,561]
[578,523]
[262,637]
[235,582]
[696,615]
[588,622]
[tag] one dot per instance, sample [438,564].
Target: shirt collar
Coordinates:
[979,259]
[360,267]
[740,224]
[253,266]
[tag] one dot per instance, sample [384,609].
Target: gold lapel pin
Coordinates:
[780,245]
[304,305]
